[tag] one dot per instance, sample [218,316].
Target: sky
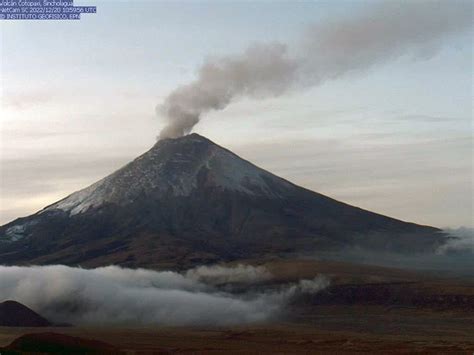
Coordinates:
[78,101]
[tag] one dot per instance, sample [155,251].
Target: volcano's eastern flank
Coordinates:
[188,201]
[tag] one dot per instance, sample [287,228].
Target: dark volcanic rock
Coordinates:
[189,201]
[53,343]
[14,314]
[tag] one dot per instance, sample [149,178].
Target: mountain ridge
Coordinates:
[193,200]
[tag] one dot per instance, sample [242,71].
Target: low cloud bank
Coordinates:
[461,240]
[217,274]
[116,296]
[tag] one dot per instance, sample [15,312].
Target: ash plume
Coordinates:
[326,51]
[117,296]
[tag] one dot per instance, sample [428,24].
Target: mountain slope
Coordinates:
[187,201]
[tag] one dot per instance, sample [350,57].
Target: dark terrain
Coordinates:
[14,314]
[57,343]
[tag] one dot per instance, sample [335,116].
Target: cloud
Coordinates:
[216,275]
[461,240]
[21,101]
[116,296]
[328,51]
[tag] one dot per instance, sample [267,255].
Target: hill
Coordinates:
[14,314]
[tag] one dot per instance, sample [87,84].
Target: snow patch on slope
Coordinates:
[80,201]
[239,175]
[17,232]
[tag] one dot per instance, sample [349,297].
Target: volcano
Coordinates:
[189,201]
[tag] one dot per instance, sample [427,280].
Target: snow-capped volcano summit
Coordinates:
[187,201]
[175,167]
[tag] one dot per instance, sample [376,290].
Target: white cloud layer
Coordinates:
[116,296]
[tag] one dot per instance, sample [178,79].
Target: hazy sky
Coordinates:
[79,98]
